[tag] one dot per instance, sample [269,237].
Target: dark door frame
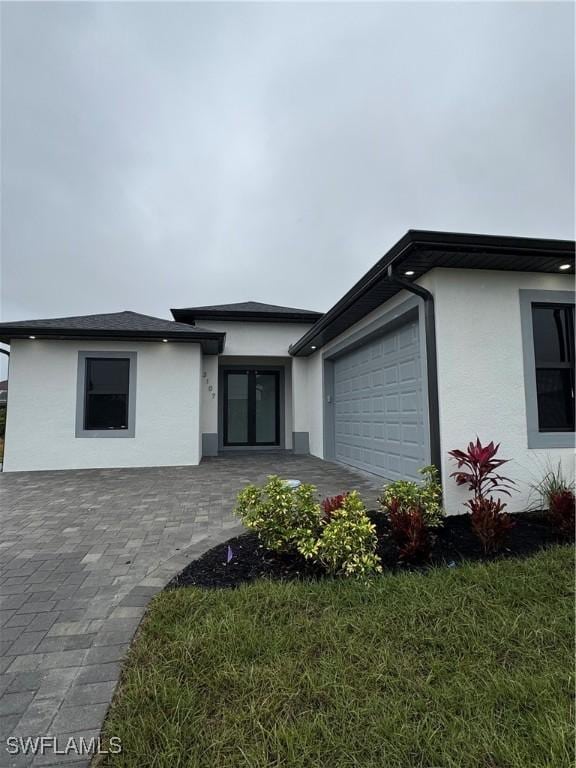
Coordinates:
[251,371]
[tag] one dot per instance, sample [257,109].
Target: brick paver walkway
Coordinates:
[81,554]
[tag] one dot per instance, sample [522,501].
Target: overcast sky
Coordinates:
[166,155]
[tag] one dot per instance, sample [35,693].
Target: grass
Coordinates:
[462,668]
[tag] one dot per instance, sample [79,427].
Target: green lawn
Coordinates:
[462,668]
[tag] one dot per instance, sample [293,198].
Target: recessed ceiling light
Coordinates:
[165,340]
[31,337]
[409,273]
[564,266]
[313,347]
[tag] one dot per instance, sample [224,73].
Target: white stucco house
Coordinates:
[447,337]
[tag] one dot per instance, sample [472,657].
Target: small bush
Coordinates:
[332,503]
[562,511]
[409,530]
[489,522]
[338,535]
[347,543]
[406,495]
[281,516]
[556,494]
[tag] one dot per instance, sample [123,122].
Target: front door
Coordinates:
[251,407]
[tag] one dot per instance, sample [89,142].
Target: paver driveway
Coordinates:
[81,554]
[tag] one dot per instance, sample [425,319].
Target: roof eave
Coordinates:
[415,240]
[187,316]
[212,342]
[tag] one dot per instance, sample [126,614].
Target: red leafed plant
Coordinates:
[562,511]
[409,531]
[480,469]
[489,522]
[331,504]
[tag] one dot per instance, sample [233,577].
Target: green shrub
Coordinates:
[342,541]
[281,516]
[347,542]
[405,495]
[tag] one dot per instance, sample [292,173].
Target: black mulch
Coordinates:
[243,559]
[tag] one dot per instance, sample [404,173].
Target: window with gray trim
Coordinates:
[547,320]
[106,394]
[553,329]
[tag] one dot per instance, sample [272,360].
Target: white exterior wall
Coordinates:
[209,394]
[481,374]
[41,418]
[257,339]
[301,403]
[316,404]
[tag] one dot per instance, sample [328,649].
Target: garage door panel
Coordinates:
[392,405]
[409,403]
[407,371]
[378,405]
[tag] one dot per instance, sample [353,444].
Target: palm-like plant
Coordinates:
[477,467]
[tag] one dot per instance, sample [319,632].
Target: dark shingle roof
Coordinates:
[114,321]
[247,310]
[117,325]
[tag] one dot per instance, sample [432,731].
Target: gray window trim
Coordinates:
[412,308]
[537,439]
[80,387]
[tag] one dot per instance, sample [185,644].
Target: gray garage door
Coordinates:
[379,405]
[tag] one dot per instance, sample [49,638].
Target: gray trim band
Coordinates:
[301,442]
[210,444]
[80,389]
[537,439]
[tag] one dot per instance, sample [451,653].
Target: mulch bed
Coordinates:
[453,542]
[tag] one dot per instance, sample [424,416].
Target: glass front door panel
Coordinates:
[251,408]
[237,401]
[266,408]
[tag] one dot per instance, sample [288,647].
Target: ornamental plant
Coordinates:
[330,504]
[410,531]
[337,535]
[477,467]
[347,542]
[402,496]
[556,495]
[562,511]
[489,522]
[281,516]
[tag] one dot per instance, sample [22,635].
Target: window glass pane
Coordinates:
[237,408]
[552,334]
[107,375]
[106,412]
[107,385]
[555,399]
[266,408]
